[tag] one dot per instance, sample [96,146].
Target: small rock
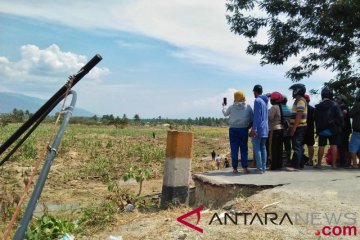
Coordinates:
[234,212]
[182,235]
[115,238]
[156,197]
[228,205]
[176,201]
[129,208]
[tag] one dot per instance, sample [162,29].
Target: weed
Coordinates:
[121,196]
[95,217]
[49,227]
[139,174]
[102,167]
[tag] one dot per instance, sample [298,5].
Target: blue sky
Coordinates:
[174,59]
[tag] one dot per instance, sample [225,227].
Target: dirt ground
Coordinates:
[309,205]
[69,187]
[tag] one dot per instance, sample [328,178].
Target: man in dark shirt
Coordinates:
[329,121]
[343,140]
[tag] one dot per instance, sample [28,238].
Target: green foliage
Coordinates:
[136,118]
[325,32]
[5,119]
[121,196]
[28,149]
[109,144]
[95,217]
[102,167]
[139,174]
[49,227]
[16,116]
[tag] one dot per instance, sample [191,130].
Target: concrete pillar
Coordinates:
[177,168]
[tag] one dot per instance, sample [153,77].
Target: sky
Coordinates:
[174,59]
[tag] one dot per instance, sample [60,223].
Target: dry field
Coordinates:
[91,158]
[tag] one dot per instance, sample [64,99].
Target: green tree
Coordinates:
[108,119]
[324,32]
[18,115]
[125,120]
[137,118]
[94,118]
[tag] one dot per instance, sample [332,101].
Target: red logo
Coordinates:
[197,211]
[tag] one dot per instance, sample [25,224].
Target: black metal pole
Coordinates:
[20,232]
[60,94]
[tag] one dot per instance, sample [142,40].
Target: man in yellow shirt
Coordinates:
[298,125]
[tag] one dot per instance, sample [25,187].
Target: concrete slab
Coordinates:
[215,188]
[275,178]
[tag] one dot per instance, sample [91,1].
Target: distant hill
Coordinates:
[9,101]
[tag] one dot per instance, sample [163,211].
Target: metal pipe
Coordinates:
[60,94]
[28,133]
[20,232]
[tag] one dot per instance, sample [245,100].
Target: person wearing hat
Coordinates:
[328,121]
[354,145]
[276,131]
[297,125]
[260,128]
[240,116]
[343,139]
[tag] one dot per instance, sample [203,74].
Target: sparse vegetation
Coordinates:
[89,158]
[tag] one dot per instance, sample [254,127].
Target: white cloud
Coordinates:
[39,65]
[198,28]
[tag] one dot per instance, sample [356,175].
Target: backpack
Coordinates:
[328,117]
[284,121]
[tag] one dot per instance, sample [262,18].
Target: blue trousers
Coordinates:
[259,145]
[297,145]
[238,139]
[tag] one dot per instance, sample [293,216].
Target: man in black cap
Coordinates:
[298,125]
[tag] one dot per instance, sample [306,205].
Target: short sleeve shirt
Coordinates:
[299,105]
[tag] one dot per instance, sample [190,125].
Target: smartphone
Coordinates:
[225,101]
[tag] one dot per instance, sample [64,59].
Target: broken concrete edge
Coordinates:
[215,195]
[206,180]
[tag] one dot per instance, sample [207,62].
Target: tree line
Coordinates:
[20,116]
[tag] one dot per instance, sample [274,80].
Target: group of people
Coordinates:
[278,127]
[218,160]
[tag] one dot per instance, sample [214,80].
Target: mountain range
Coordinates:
[9,101]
